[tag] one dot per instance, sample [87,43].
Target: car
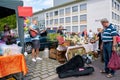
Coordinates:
[44,42]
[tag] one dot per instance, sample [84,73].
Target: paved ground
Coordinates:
[45,70]
[96,75]
[41,70]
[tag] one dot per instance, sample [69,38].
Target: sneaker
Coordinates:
[33,59]
[38,58]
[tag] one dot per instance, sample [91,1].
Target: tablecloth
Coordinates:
[73,50]
[12,64]
[80,49]
[14,48]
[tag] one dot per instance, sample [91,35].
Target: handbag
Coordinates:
[114,62]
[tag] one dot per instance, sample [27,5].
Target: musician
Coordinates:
[35,41]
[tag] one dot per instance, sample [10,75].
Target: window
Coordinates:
[119,18]
[75,9]
[74,28]
[47,22]
[61,20]
[118,7]
[47,15]
[115,16]
[51,14]
[112,3]
[68,29]
[67,10]
[51,22]
[83,7]
[61,12]
[115,5]
[83,27]
[56,13]
[75,19]
[68,20]
[83,17]
[56,21]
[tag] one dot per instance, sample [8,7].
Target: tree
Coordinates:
[10,20]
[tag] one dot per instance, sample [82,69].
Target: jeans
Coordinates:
[107,52]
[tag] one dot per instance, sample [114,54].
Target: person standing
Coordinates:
[35,42]
[108,45]
[7,33]
[90,34]
[60,30]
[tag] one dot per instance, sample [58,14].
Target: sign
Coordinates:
[24,11]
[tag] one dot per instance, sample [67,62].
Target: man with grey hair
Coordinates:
[108,45]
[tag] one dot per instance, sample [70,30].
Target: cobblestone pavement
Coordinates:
[45,70]
[41,70]
[96,75]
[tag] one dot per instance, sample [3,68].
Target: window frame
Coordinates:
[75,8]
[83,16]
[68,18]
[83,7]
[67,10]
[61,20]
[61,12]
[74,18]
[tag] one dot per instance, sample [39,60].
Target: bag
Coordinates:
[77,72]
[114,62]
[75,62]
[117,38]
[74,67]
[86,59]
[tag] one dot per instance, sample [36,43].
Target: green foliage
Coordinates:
[10,20]
[52,36]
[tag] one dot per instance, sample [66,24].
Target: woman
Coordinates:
[7,33]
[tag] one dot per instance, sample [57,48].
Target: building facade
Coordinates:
[60,2]
[82,14]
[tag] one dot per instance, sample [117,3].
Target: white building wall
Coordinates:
[59,2]
[96,10]
[41,19]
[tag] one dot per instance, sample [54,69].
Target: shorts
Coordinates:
[35,44]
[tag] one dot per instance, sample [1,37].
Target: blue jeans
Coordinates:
[107,52]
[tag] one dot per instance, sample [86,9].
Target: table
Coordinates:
[74,50]
[12,64]
[14,48]
[79,49]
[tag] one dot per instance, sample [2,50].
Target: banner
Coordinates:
[25,11]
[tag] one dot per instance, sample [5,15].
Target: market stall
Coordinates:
[10,7]
[72,44]
[12,61]
[12,64]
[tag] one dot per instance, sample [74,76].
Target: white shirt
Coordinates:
[91,35]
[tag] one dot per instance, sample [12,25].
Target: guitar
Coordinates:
[34,33]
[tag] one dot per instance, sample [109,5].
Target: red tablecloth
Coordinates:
[12,64]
